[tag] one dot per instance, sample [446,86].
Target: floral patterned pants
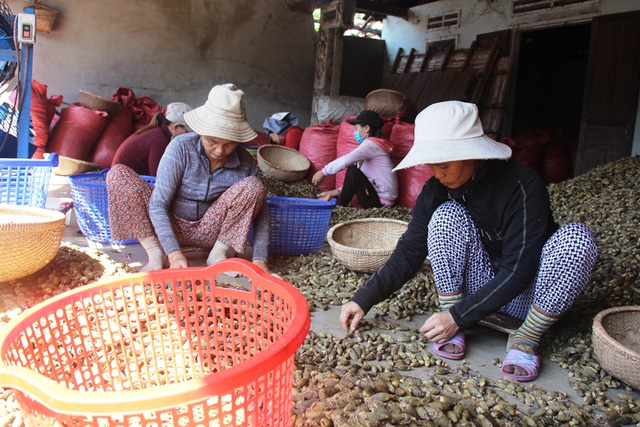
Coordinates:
[228,219]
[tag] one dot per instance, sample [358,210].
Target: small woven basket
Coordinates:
[282,163]
[616,343]
[70,166]
[29,239]
[364,245]
[45,18]
[96,102]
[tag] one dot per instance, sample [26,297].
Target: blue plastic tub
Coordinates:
[90,202]
[298,226]
[26,182]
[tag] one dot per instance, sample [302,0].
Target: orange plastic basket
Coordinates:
[176,347]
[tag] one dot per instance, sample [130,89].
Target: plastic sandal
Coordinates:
[457,340]
[528,362]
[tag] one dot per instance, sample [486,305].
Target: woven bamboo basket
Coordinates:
[364,245]
[389,102]
[29,239]
[96,102]
[282,163]
[70,166]
[616,343]
[45,18]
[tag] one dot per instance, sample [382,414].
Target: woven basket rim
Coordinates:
[601,332]
[40,215]
[392,91]
[361,251]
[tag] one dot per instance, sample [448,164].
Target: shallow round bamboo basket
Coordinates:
[29,239]
[70,166]
[282,163]
[364,245]
[616,343]
[96,102]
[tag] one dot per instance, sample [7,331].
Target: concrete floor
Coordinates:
[483,343]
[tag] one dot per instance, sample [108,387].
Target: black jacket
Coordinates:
[509,204]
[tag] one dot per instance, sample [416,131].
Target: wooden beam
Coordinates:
[382,9]
[396,61]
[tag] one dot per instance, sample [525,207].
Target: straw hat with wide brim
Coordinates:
[450,131]
[223,115]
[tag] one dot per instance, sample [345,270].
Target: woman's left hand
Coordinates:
[262,264]
[440,327]
[317,178]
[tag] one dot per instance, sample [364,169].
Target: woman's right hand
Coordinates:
[177,260]
[350,316]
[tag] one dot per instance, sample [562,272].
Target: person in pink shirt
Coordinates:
[369,174]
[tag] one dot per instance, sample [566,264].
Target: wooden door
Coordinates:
[611,91]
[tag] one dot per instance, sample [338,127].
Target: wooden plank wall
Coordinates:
[474,75]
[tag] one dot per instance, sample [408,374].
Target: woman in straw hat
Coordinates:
[143,150]
[486,224]
[207,193]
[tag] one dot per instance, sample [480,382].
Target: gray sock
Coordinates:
[154,252]
[218,253]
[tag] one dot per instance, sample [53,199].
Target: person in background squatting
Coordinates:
[282,129]
[486,224]
[143,150]
[369,174]
[207,192]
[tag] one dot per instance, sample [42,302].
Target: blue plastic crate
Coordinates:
[298,226]
[26,182]
[90,203]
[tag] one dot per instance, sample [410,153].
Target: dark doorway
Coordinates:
[549,93]
[552,66]
[362,66]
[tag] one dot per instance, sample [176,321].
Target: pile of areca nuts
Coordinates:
[369,377]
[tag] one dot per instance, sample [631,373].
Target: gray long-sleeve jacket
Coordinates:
[184,187]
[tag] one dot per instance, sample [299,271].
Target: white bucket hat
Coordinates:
[222,116]
[449,131]
[175,113]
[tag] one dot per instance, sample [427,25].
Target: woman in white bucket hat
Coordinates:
[486,224]
[207,192]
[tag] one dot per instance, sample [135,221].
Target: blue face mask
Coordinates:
[359,139]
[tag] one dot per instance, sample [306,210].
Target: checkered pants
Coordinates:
[461,264]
